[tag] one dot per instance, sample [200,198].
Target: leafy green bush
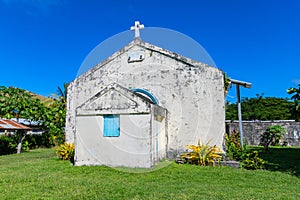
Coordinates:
[8,144]
[202,154]
[252,161]
[234,151]
[66,151]
[272,136]
[37,140]
[25,146]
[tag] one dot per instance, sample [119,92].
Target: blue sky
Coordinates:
[44,42]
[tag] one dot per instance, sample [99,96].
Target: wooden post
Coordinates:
[246,85]
[240,113]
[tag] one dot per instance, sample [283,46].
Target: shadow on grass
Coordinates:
[283,159]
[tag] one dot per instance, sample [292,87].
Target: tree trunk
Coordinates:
[21,138]
[268,143]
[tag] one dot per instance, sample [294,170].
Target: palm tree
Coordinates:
[62,92]
[296,97]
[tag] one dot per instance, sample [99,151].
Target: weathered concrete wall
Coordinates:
[192,92]
[131,149]
[253,130]
[159,133]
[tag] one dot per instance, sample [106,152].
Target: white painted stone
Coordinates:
[136,28]
[191,92]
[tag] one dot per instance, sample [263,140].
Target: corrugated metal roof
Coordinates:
[27,122]
[7,124]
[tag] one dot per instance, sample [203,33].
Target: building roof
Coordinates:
[138,42]
[113,99]
[7,124]
[27,122]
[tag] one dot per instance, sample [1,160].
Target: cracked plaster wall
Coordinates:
[193,93]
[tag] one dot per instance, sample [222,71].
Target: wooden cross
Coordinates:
[137,26]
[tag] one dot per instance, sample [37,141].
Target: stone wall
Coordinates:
[253,130]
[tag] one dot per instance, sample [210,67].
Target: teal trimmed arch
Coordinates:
[147,93]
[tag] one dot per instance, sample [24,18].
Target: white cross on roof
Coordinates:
[137,26]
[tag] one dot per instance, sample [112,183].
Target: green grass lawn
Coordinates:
[284,159]
[39,175]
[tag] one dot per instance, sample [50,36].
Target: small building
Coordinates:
[143,104]
[133,134]
[8,126]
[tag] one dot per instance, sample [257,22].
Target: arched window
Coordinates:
[147,93]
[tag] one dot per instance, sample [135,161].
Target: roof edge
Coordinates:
[137,41]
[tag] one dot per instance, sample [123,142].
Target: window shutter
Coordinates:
[111,125]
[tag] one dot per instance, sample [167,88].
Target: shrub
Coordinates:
[202,154]
[25,146]
[234,151]
[252,161]
[33,141]
[272,136]
[65,151]
[8,144]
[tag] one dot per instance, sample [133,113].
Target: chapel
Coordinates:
[143,104]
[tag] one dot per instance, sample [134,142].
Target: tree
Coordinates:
[296,98]
[18,103]
[56,116]
[261,108]
[54,121]
[272,136]
[62,93]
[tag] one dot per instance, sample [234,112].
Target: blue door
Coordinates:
[111,125]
